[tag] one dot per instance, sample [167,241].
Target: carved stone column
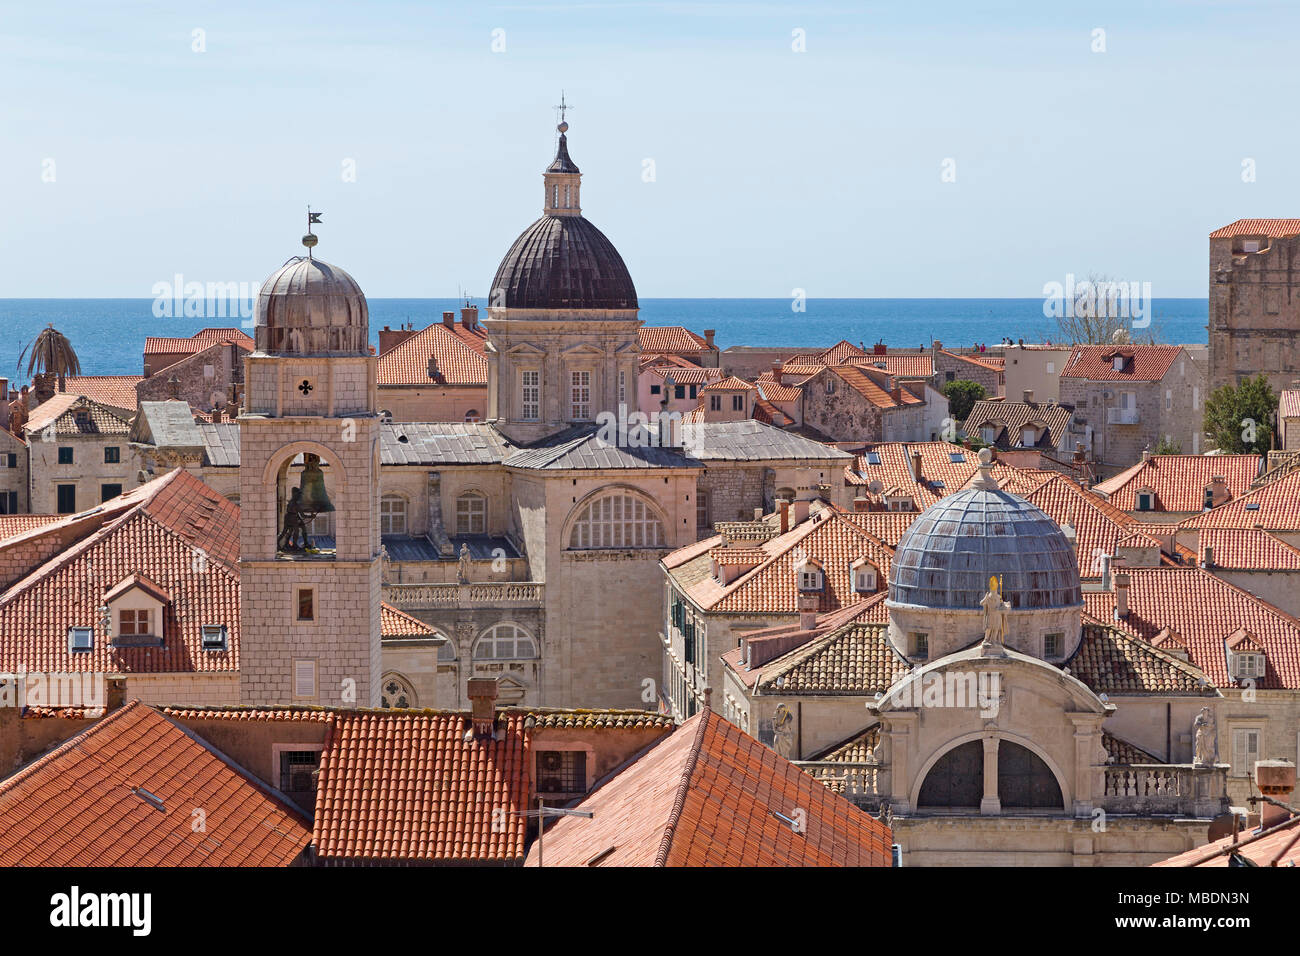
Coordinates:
[991,804]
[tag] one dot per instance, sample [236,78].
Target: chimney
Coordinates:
[1121,595]
[1029,396]
[433,366]
[802,505]
[1078,453]
[708,337]
[1146,453]
[861,505]
[916,466]
[783,506]
[390,338]
[1276,779]
[776,370]
[807,611]
[1209,557]
[449,319]
[482,693]
[1218,490]
[216,414]
[469,316]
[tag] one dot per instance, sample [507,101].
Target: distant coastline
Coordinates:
[109,334]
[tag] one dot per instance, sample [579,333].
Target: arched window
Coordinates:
[396,692]
[471,513]
[956,779]
[505,642]
[617,521]
[392,514]
[447,651]
[472,415]
[1024,780]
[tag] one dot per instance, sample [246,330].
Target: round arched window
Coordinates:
[617,521]
[505,642]
[396,692]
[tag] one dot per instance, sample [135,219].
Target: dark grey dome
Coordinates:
[309,307]
[563,262]
[946,557]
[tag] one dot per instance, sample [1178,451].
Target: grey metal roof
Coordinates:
[563,262]
[220,442]
[404,547]
[579,447]
[168,424]
[441,443]
[750,440]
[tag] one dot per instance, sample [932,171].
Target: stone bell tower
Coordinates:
[309,443]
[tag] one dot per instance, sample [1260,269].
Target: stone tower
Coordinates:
[561,320]
[309,616]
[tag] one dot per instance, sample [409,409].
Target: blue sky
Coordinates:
[774,169]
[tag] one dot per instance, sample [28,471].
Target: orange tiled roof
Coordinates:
[1122,752]
[841,352]
[895,468]
[115,390]
[1149,363]
[1112,662]
[692,375]
[160,345]
[774,392]
[991,363]
[1179,481]
[761,647]
[670,338]
[123,794]
[902,364]
[1272,228]
[156,531]
[857,658]
[709,795]
[1246,549]
[13,525]
[1274,506]
[1099,525]
[460,353]
[1205,610]
[730,383]
[408,786]
[870,388]
[1289,403]
[396,624]
[1279,845]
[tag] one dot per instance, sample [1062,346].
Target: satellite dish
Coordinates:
[876,486]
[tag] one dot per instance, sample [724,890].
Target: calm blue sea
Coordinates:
[109,334]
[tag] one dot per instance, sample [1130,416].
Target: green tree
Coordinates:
[962,396]
[1239,419]
[1167,446]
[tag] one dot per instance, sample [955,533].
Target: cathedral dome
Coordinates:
[563,262]
[309,307]
[946,557]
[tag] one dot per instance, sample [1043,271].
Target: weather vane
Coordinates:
[310,239]
[563,108]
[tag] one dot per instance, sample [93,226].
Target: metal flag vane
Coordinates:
[310,239]
[563,107]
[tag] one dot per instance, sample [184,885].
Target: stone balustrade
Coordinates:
[1180,789]
[863,784]
[486,594]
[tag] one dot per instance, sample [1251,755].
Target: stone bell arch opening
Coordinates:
[304,510]
[956,781]
[1024,781]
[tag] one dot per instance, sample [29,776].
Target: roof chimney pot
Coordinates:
[482,693]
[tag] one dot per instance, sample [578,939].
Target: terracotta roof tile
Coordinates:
[773,392]
[398,624]
[159,345]
[1122,752]
[1246,549]
[730,383]
[1010,417]
[460,353]
[1272,228]
[1289,403]
[991,363]
[841,352]
[115,390]
[1148,363]
[856,659]
[901,364]
[1205,610]
[669,339]
[1112,662]
[1274,506]
[12,525]
[123,793]
[1279,845]
[873,387]
[709,795]
[1179,481]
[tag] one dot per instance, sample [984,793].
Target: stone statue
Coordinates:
[783,731]
[1205,745]
[995,617]
[462,572]
[293,534]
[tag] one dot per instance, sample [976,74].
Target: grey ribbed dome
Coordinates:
[946,557]
[563,262]
[309,307]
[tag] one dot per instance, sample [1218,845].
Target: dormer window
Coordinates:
[810,577]
[1248,665]
[1117,363]
[81,640]
[214,637]
[864,576]
[1146,500]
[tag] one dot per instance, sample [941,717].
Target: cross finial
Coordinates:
[563,107]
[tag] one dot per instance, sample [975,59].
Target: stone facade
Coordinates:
[14,496]
[208,379]
[1254,307]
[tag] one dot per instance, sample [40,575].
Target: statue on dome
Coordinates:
[995,618]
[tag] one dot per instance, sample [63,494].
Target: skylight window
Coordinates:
[81,639]
[872,457]
[957,457]
[1252,505]
[214,637]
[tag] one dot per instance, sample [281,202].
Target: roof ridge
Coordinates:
[70,744]
[679,803]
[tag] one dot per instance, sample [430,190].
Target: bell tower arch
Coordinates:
[309,503]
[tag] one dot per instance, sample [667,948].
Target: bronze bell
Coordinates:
[314,499]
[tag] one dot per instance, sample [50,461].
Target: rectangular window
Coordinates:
[737,403]
[112,455]
[1245,750]
[304,678]
[1248,665]
[471,514]
[109,491]
[306,604]
[715,403]
[920,645]
[67,499]
[298,770]
[695,390]
[655,389]
[679,391]
[13,460]
[580,396]
[392,515]
[65,455]
[701,510]
[138,621]
[622,387]
[1053,644]
[8,502]
[531,384]
[561,771]
[1051,368]
[81,639]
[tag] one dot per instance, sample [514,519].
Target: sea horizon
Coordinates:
[108,333]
